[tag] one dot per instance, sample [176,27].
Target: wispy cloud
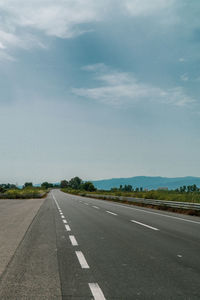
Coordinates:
[52,17]
[5,56]
[184,77]
[9,41]
[182,59]
[146,7]
[120,88]
[57,18]
[61,18]
[67,18]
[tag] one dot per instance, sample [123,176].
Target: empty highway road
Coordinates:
[82,248]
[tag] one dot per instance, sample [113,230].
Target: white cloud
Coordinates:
[119,88]
[100,67]
[63,18]
[147,7]
[184,77]
[60,18]
[8,39]
[4,56]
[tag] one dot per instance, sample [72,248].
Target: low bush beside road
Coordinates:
[25,193]
[193,197]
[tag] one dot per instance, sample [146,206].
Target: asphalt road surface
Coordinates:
[81,248]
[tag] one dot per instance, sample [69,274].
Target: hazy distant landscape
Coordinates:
[147,182]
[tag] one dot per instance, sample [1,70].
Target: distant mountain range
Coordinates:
[147,182]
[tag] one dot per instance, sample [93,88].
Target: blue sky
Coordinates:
[99,89]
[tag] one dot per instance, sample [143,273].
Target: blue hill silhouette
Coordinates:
[147,182]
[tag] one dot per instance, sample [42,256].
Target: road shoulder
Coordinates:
[33,272]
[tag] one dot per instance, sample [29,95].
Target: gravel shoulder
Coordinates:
[16,216]
[33,271]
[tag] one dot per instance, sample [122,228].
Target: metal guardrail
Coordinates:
[163,203]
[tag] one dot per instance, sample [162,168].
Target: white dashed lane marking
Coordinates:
[94,287]
[145,225]
[82,260]
[112,213]
[96,291]
[73,240]
[67,228]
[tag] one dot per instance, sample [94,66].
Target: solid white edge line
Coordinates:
[64,221]
[96,291]
[82,260]
[110,212]
[145,225]
[95,207]
[67,228]
[55,201]
[73,240]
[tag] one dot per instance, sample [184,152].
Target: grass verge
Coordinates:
[26,193]
[138,195]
